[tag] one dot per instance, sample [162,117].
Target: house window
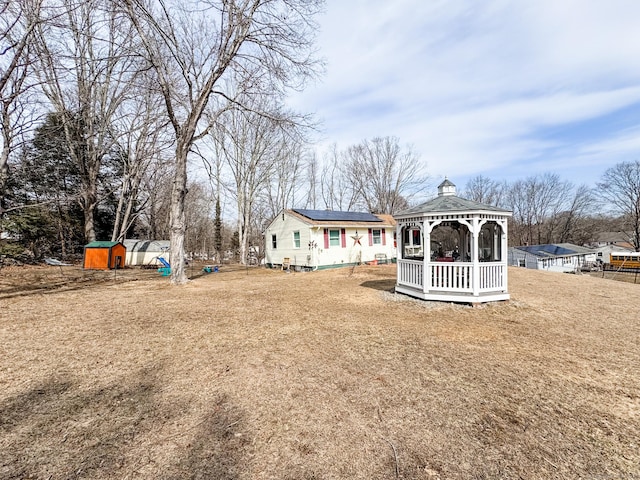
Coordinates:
[296,239]
[334,238]
[376,236]
[521,262]
[274,241]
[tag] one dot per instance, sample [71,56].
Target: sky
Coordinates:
[502,89]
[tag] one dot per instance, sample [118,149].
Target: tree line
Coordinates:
[105,104]
[547,209]
[108,107]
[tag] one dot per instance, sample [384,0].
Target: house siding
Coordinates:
[283,229]
[560,263]
[315,250]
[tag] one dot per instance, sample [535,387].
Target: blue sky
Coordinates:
[505,89]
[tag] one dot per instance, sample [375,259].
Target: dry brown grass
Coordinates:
[258,374]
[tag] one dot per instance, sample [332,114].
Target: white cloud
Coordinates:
[476,86]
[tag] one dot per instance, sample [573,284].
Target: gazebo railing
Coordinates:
[410,273]
[452,276]
[492,276]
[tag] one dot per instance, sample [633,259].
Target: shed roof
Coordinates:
[550,250]
[102,244]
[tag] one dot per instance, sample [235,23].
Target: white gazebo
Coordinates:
[452,249]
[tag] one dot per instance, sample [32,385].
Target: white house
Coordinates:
[607,243]
[559,257]
[318,239]
[146,252]
[603,253]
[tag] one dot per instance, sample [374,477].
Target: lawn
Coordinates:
[261,374]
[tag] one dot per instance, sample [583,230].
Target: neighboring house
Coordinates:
[317,239]
[603,253]
[146,252]
[559,257]
[611,238]
[607,243]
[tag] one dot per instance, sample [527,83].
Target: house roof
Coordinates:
[612,237]
[551,250]
[339,218]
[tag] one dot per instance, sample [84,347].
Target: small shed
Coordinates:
[104,255]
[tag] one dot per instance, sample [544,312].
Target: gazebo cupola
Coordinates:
[452,249]
[446,188]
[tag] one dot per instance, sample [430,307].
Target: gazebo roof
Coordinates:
[448,202]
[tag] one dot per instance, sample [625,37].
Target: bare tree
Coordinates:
[86,68]
[153,219]
[249,143]
[336,190]
[383,174]
[18,19]
[199,209]
[194,45]
[580,205]
[142,140]
[537,203]
[484,190]
[285,176]
[619,190]
[312,179]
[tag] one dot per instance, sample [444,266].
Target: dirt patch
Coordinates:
[261,374]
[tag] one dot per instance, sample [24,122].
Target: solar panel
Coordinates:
[337,216]
[548,249]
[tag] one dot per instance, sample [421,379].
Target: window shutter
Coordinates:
[343,237]
[370,237]
[326,238]
[384,236]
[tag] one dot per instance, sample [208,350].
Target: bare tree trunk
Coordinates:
[4,160]
[89,202]
[178,218]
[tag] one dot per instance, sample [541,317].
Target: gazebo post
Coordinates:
[426,260]
[505,250]
[475,232]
